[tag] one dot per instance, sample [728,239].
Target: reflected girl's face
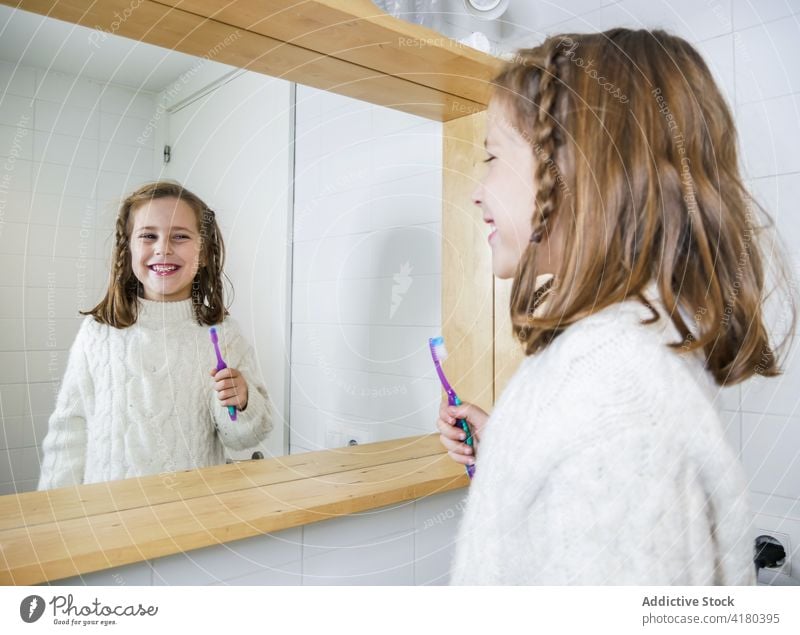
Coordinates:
[507,194]
[165,248]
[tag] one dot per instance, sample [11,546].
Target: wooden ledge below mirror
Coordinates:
[71,531]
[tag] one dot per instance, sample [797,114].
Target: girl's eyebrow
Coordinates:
[150,228]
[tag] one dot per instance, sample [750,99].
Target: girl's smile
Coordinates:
[165,269]
[492,228]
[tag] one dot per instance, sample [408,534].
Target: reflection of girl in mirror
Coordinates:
[141,394]
[618,209]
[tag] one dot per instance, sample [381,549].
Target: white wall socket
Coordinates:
[786,542]
[338,436]
[787,531]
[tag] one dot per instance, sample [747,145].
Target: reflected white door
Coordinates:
[232,147]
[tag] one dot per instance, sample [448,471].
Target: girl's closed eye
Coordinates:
[489,159]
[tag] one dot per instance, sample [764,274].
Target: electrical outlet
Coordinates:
[355,435]
[338,435]
[786,543]
[785,529]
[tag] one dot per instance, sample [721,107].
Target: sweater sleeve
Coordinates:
[254,423]
[64,446]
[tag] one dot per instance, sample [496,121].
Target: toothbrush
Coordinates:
[439,354]
[221,365]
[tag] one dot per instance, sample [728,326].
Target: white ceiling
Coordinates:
[30,39]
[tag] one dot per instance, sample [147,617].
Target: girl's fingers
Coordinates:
[450,431]
[443,415]
[449,444]
[456,447]
[226,373]
[451,435]
[227,384]
[460,458]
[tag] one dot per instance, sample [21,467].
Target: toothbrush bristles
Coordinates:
[438,348]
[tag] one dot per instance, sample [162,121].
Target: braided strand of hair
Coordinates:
[544,140]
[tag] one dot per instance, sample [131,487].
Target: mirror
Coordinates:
[330,209]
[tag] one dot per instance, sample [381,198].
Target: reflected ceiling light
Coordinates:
[486,9]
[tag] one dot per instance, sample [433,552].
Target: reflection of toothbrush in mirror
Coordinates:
[221,365]
[439,354]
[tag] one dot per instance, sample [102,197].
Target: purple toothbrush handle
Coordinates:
[221,365]
[453,400]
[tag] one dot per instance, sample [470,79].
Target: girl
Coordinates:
[137,398]
[615,203]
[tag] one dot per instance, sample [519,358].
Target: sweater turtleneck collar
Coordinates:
[152,312]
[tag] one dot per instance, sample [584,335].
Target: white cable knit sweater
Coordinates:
[605,462]
[140,400]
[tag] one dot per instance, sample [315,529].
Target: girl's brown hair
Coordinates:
[119,307]
[636,167]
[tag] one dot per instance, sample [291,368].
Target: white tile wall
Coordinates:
[69,148]
[747,13]
[695,21]
[436,521]
[718,54]
[16,110]
[261,554]
[774,45]
[372,547]
[137,574]
[366,272]
[767,109]
[11,136]
[770,134]
[61,119]
[18,80]
[771,455]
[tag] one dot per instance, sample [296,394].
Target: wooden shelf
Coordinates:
[71,531]
[347,47]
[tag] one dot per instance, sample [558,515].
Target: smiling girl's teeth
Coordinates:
[163,268]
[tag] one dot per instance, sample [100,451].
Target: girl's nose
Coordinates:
[477,194]
[163,248]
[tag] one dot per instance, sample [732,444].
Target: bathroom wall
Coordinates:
[766,45]
[68,151]
[366,274]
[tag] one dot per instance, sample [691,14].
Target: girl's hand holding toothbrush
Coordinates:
[231,387]
[452,436]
